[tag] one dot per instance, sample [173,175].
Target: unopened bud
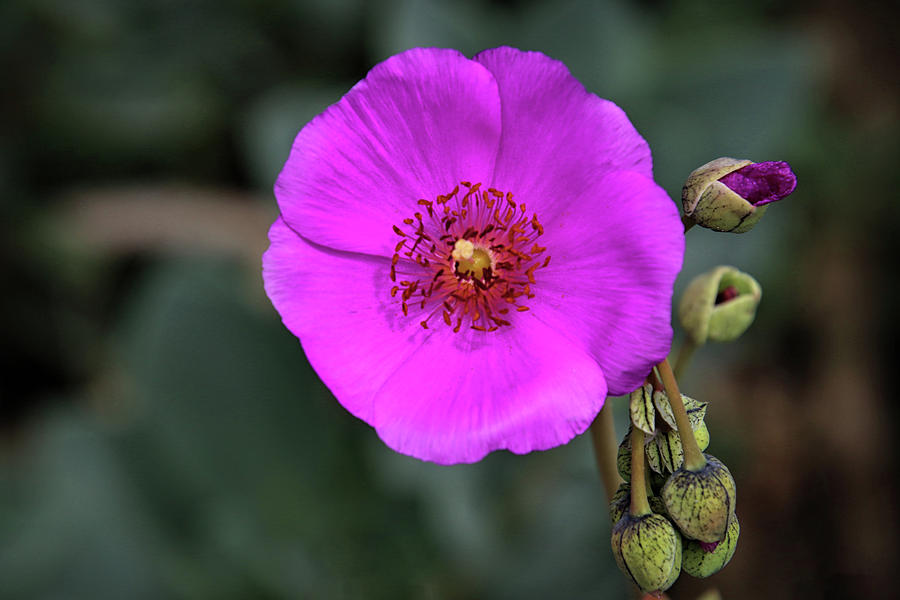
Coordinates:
[623,457]
[621,503]
[731,195]
[701,434]
[700,560]
[701,502]
[641,409]
[648,550]
[719,305]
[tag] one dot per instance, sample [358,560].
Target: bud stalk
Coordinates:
[639,504]
[693,457]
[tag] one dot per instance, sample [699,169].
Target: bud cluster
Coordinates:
[691,525]
[676,511]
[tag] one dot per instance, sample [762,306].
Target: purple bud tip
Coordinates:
[727,294]
[762,183]
[708,546]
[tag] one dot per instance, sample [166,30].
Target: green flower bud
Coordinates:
[670,450]
[648,550]
[702,560]
[623,457]
[719,305]
[701,502]
[696,410]
[620,503]
[657,505]
[666,454]
[701,434]
[641,409]
[657,481]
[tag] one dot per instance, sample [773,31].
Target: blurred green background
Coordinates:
[161,434]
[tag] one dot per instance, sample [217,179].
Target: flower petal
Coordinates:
[556,135]
[433,394]
[762,183]
[413,128]
[609,283]
[461,396]
[338,304]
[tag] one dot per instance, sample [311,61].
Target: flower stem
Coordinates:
[603,434]
[685,353]
[693,457]
[639,504]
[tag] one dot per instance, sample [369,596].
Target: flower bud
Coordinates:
[701,434]
[648,550]
[623,457]
[657,505]
[731,195]
[641,409]
[621,503]
[719,305]
[699,560]
[701,502]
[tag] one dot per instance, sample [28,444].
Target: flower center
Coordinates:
[469,258]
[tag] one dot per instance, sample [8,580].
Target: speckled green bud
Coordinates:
[657,482]
[648,550]
[700,562]
[620,503]
[701,434]
[696,410]
[623,457]
[719,305]
[657,505]
[654,460]
[665,454]
[670,450]
[642,410]
[712,204]
[701,502]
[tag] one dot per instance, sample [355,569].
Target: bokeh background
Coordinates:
[161,434]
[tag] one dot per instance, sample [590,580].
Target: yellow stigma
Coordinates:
[470,259]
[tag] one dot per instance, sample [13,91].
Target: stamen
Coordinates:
[469,260]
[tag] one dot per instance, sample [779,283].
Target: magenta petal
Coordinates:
[419,122]
[433,394]
[337,304]
[462,395]
[556,135]
[608,287]
[762,183]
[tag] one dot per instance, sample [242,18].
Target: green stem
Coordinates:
[639,504]
[603,434]
[693,457]
[685,353]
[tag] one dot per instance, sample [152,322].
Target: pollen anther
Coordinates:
[468,260]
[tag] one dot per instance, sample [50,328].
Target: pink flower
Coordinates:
[473,253]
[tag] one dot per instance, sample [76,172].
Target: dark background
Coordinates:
[161,434]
